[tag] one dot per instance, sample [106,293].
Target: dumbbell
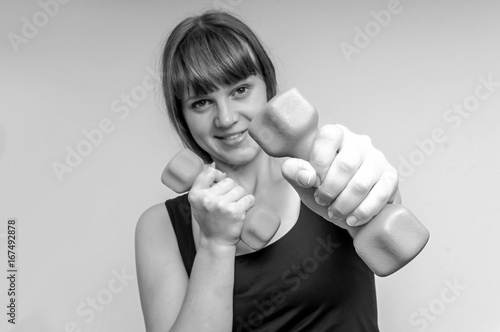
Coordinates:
[286,127]
[261,223]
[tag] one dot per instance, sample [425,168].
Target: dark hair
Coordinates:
[206,51]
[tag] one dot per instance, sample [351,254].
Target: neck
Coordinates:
[259,174]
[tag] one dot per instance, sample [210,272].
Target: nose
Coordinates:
[226,116]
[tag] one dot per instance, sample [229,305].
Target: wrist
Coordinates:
[217,248]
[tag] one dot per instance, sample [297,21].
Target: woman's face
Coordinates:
[219,120]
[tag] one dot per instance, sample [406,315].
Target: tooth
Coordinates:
[233,136]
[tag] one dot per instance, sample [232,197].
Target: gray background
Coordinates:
[66,69]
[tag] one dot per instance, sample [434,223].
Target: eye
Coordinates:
[200,104]
[241,90]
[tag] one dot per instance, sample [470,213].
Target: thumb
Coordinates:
[207,177]
[299,173]
[303,178]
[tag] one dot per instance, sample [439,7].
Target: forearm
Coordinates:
[208,304]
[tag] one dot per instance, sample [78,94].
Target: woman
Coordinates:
[194,272]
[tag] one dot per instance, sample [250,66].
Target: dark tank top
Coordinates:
[309,280]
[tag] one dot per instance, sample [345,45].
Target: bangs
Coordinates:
[209,59]
[204,53]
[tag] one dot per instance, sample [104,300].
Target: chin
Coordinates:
[241,158]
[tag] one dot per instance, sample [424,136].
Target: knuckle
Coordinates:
[234,213]
[343,131]
[206,202]
[362,213]
[378,155]
[329,132]
[321,162]
[209,171]
[347,166]
[193,196]
[229,209]
[248,201]
[365,139]
[392,176]
[360,187]
[221,206]
[382,197]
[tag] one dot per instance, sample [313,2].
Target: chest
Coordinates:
[309,276]
[284,201]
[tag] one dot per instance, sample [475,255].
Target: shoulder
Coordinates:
[154,233]
[156,249]
[157,216]
[154,230]
[152,219]
[153,212]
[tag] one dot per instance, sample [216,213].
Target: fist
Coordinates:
[352,178]
[219,206]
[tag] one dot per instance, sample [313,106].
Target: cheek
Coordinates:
[257,104]
[199,127]
[190,121]
[262,95]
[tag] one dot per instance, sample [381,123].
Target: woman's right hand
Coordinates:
[219,205]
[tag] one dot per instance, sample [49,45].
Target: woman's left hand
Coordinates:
[352,178]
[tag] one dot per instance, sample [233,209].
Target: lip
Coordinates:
[226,136]
[232,138]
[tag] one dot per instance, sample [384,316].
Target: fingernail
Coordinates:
[352,220]
[319,201]
[332,216]
[304,178]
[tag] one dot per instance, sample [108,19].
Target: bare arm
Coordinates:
[161,275]
[170,300]
[204,302]
[208,304]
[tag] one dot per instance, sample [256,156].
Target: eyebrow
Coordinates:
[189,98]
[233,85]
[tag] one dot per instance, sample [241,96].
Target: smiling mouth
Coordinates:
[231,137]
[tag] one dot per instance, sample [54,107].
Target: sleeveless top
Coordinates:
[311,279]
